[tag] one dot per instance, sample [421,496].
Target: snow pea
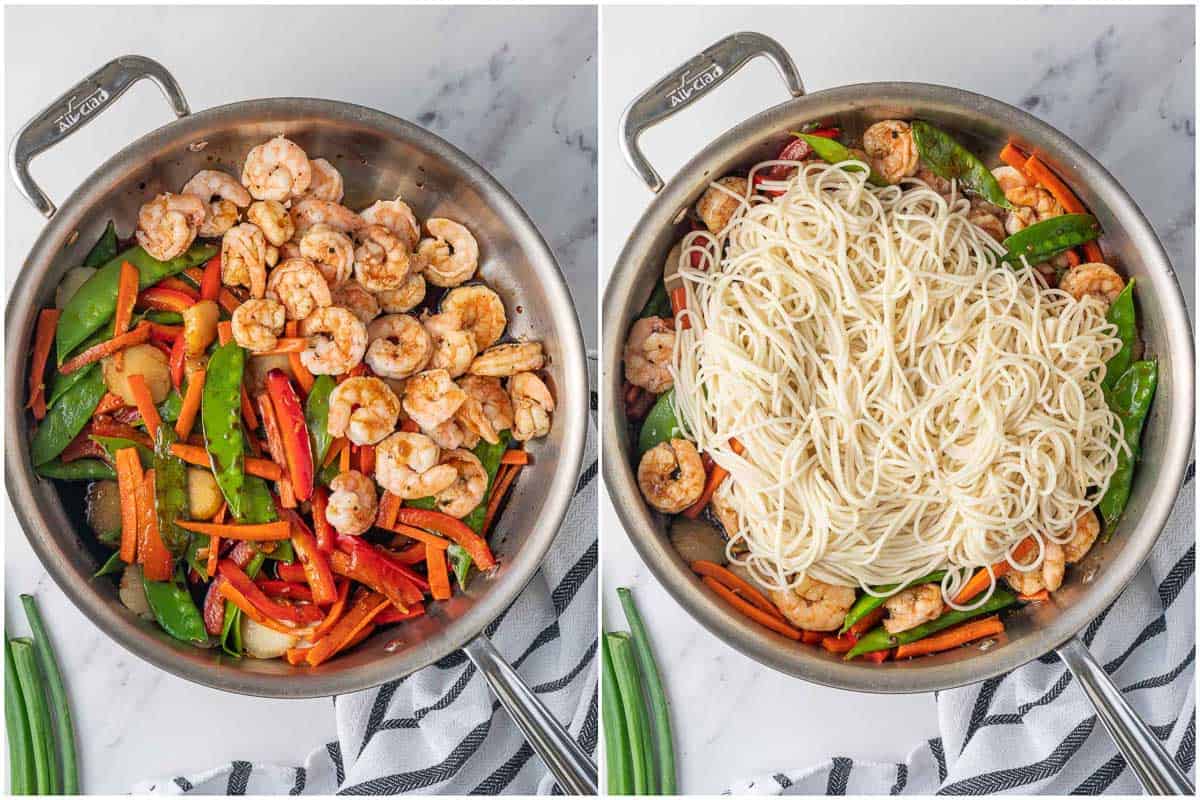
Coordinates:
[170,492]
[96,300]
[114,443]
[113,565]
[231,633]
[164,317]
[460,563]
[659,304]
[60,383]
[221,416]
[832,151]
[660,424]
[105,248]
[950,160]
[65,420]
[880,639]
[868,603]
[1044,240]
[316,415]
[1122,314]
[175,610]
[1130,400]
[168,409]
[83,469]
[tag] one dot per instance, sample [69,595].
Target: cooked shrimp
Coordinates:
[222,196]
[310,211]
[451,256]
[482,312]
[470,484]
[168,224]
[398,346]
[352,503]
[244,258]
[273,218]
[471,416]
[452,434]
[397,217]
[351,296]
[671,476]
[256,324]
[892,150]
[1032,202]
[332,250]
[362,409]
[492,397]
[912,607]
[431,398]
[406,298]
[1009,178]
[276,170]
[326,181]
[1049,575]
[814,605]
[406,464]
[300,286]
[453,346]
[336,341]
[988,222]
[1092,279]
[532,406]
[503,360]
[648,354]
[381,259]
[272,255]
[1087,529]
[717,206]
[726,514]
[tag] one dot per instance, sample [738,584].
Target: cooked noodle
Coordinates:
[905,402]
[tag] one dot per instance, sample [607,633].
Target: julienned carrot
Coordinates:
[344,458]
[138,335]
[952,637]
[152,553]
[736,585]
[515,456]
[109,403]
[1052,183]
[285,345]
[299,371]
[43,339]
[254,532]
[197,456]
[754,613]
[358,617]
[129,481]
[191,404]
[334,613]
[413,554]
[716,476]
[439,574]
[248,411]
[127,289]
[980,581]
[867,623]
[335,450]
[230,593]
[1012,156]
[214,552]
[145,404]
[423,536]
[679,303]
[504,479]
[455,530]
[1073,259]
[389,506]
[366,459]
[837,644]
[225,332]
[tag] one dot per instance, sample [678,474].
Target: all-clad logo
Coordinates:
[689,84]
[78,109]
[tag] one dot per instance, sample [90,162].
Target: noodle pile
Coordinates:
[905,402]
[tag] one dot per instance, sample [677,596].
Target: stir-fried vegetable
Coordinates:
[660,424]
[868,602]
[316,415]
[83,469]
[880,639]
[67,418]
[1044,240]
[950,160]
[1130,399]
[831,151]
[221,415]
[1122,314]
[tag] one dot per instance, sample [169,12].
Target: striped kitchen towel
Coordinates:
[1031,731]
[440,730]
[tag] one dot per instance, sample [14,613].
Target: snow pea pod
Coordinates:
[868,603]
[83,469]
[659,304]
[316,415]
[221,415]
[60,383]
[880,639]
[257,502]
[114,565]
[114,443]
[231,633]
[1044,240]
[170,492]
[660,424]
[175,611]
[1130,400]
[66,419]
[832,151]
[105,248]
[460,564]
[950,160]
[1122,314]
[96,300]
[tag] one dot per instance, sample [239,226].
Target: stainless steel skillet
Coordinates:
[986,124]
[379,156]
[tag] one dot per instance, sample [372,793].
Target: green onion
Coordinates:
[661,712]
[629,684]
[22,775]
[616,739]
[38,713]
[64,732]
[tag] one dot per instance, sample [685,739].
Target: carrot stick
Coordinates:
[837,644]
[344,458]
[1040,596]
[155,558]
[389,507]
[43,338]
[334,613]
[230,593]
[127,289]
[736,585]
[980,581]
[335,450]
[129,479]
[716,477]
[138,335]
[145,404]
[366,459]
[439,574]
[303,376]
[283,346]
[866,623]
[423,536]
[214,550]
[504,480]
[296,656]
[515,457]
[191,404]
[109,403]
[952,637]
[413,554]
[1010,155]
[756,614]
[254,532]
[1073,258]
[1063,194]
[197,456]
[679,303]
[358,617]
[225,332]
[1093,253]
[248,411]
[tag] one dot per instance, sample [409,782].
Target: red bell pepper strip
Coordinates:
[326,535]
[292,591]
[316,566]
[453,529]
[365,609]
[43,338]
[367,553]
[214,608]
[335,612]
[162,299]
[178,285]
[247,588]
[795,150]
[392,614]
[210,282]
[83,446]
[294,431]
[826,133]
[175,362]
[397,590]
[292,573]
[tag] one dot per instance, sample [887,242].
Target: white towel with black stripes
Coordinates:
[440,730]
[1032,731]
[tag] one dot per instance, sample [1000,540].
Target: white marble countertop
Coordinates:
[1118,80]
[514,88]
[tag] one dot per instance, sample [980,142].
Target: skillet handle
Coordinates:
[575,771]
[690,81]
[78,106]
[1154,767]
